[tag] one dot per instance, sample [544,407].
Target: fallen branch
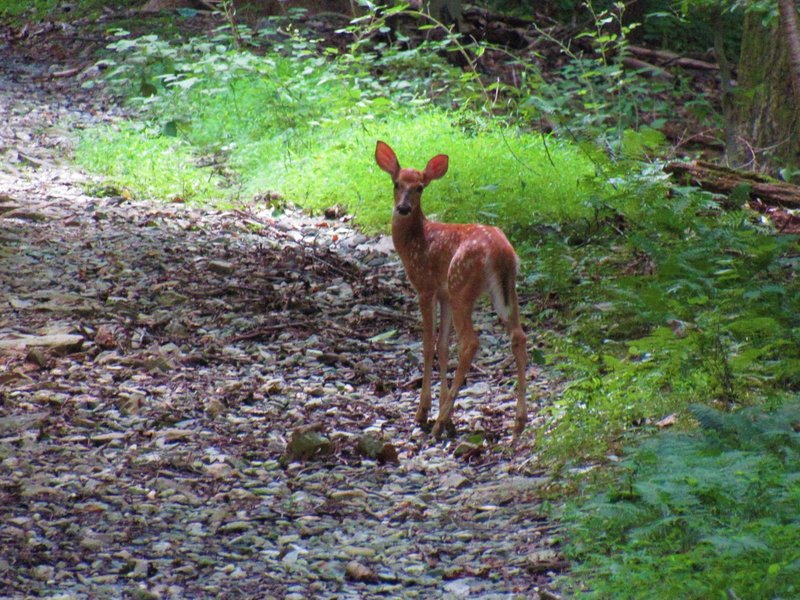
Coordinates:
[66,73]
[670,58]
[722,180]
[647,69]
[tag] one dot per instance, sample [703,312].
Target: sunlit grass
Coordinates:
[498,175]
[147,164]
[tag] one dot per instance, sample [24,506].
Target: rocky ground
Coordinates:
[196,403]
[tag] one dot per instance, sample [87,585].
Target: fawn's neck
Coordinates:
[408,231]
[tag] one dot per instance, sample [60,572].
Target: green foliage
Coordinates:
[37,10]
[712,514]
[689,304]
[594,96]
[520,189]
[305,125]
[147,164]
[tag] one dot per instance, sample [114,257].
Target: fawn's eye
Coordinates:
[419,189]
[396,185]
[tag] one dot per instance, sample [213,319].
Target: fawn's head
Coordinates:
[408,183]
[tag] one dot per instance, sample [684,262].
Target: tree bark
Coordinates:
[722,180]
[767,114]
[791,33]
[732,154]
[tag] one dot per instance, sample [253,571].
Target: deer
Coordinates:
[452,264]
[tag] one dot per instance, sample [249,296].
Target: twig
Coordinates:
[66,72]
[264,329]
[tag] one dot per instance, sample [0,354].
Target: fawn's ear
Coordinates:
[386,159]
[436,168]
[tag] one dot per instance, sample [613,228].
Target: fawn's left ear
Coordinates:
[436,168]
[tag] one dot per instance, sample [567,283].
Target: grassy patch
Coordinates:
[147,164]
[496,175]
[305,127]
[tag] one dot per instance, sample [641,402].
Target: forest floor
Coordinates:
[205,403]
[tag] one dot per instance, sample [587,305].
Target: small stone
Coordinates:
[143,594]
[355,571]
[305,445]
[235,527]
[359,551]
[454,481]
[140,569]
[221,267]
[44,572]
[458,587]
[288,539]
[464,448]
[219,471]
[92,543]
[374,447]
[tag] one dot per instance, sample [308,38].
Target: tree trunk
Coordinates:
[791,33]
[767,115]
[732,153]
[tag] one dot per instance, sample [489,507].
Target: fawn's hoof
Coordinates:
[519,427]
[426,425]
[440,427]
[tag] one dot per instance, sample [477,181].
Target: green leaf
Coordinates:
[170,129]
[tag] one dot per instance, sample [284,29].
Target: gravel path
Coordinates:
[189,401]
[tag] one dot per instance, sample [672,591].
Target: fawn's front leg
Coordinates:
[443,348]
[467,348]
[427,307]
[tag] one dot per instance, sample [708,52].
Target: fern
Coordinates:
[709,418]
[703,514]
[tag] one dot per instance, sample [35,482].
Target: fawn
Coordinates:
[453,264]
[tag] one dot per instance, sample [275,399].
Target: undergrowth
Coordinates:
[676,309]
[708,514]
[303,125]
[35,10]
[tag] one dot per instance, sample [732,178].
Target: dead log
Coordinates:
[722,180]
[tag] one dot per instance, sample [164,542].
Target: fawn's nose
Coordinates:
[403,209]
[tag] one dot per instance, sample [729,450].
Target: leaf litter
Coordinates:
[204,403]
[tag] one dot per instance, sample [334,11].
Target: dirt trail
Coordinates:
[154,361]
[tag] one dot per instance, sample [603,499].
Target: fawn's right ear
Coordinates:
[386,159]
